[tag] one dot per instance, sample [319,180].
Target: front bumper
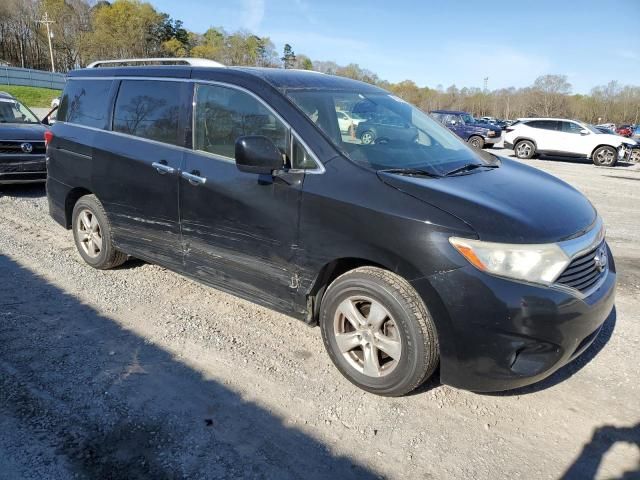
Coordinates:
[22,168]
[492,140]
[496,334]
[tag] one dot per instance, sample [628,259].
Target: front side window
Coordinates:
[571,127]
[85,102]
[149,109]
[389,133]
[224,114]
[12,111]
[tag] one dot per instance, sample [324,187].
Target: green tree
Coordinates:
[288,57]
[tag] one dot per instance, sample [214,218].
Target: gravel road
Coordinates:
[140,373]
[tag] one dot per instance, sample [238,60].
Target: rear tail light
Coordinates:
[48,136]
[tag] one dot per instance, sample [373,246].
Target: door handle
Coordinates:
[194,178]
[162,167]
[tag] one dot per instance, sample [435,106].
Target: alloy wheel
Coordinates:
[367,336]
[89,233]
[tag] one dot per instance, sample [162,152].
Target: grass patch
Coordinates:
[31,96]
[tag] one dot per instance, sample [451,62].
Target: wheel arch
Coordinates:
[70,201]
[520,139]
[600,146]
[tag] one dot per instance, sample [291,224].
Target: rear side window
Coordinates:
[224,114]
[85,102]
[149,109]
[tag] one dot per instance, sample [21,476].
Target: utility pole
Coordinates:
[47,22]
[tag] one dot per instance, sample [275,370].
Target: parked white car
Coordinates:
[345,120]
[563,137]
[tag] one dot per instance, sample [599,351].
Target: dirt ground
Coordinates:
[140,373]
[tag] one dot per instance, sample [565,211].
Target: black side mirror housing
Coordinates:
[257,154]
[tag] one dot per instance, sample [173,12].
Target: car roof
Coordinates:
[453,112]
[527,119]
[282,79]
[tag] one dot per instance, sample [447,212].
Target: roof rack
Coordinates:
[194,62]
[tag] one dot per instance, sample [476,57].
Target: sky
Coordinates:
[444,42]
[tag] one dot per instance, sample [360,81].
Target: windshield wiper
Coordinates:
[411,172]
[468,167]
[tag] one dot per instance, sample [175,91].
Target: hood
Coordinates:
[614,139]
[514,203]
[22,131]
[487,126]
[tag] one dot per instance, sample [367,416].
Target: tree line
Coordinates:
[88,30]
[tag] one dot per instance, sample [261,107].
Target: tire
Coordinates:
[402,326]
[524,149]
[605,156]
[476,142]
[92,234]
[367,137]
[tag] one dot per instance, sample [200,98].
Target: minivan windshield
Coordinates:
[12,111]
[385,133]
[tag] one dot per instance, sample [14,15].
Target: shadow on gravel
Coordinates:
[586,465]
[29,190]
[97,401]
[571,368]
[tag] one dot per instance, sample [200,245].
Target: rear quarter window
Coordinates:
[85,102]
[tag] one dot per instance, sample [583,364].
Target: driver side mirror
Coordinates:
[584,131]
[257,154]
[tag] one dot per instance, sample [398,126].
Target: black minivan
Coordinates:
[409,251]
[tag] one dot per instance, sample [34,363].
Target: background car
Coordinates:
[625,130]
[605,130]
[22,146]
[385,128]
[563,137]
[347,120]
[469,129]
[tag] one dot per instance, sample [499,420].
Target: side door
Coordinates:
[137,164]
[546,135]
[574,141]
[455,124]
[239,230]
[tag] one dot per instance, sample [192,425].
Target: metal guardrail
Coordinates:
[29,77]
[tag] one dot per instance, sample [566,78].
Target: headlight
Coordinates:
[535,263]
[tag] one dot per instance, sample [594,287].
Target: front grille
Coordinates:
[584,271]
[13,147]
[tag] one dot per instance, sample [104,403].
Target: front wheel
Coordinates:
[378,332]
[367,137]
[476,142]
[605,156]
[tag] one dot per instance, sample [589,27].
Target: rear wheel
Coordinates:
[476,141]
[92,234]
[378,331]
[605,156]
[524,149]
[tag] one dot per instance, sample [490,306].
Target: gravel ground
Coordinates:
[140,373]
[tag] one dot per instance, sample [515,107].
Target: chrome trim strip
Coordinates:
[582,244]
[577,247]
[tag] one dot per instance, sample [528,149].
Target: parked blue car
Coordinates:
[469,129]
